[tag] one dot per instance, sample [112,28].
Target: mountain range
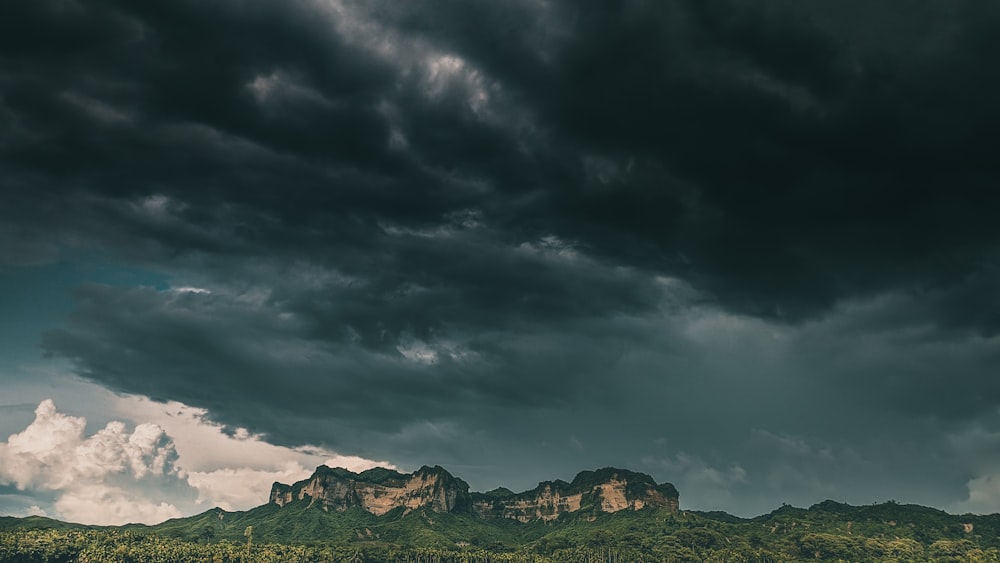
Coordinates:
[380,491]
[609,514]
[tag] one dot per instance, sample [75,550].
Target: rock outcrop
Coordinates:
[604,490]
[380,491]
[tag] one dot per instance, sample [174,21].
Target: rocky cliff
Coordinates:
[604,490]
[378,490]
[381,490]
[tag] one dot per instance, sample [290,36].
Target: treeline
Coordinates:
[825,532]
[97,546]
[101,546]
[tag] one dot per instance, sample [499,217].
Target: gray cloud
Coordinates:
[488,232]
[738,411]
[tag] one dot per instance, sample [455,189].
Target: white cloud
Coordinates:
[355,463]
[109,505]
[204,446]
[984,495]
[35,456]
[978,445]
[190,289]
[52,453]
[107,478]
[175,463]
[232,470]
[418,352]
[243,487]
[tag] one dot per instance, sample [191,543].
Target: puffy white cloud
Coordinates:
[233,470]
[109,505]
[242,487]
[984,495]
[175,463]
[36,455]
[111,477]
[204,446]
[52,452]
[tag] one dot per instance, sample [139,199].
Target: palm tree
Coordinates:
[249,534]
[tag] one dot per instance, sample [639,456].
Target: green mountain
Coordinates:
[382,491]
[429,515]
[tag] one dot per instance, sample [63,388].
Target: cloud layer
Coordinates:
[731,238]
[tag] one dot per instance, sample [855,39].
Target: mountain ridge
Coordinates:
[302,530]
[380,491]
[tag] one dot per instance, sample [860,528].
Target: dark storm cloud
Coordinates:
[472,225]
[453,396]
[790,159]
[775,158]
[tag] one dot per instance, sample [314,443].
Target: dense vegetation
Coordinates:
[299,532]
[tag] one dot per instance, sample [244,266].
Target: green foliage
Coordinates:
[35,523]
[378,475]
[301,531]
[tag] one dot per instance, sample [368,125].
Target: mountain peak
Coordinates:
[377,490]
[380,490]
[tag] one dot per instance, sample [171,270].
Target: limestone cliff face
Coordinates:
[378,490]
[604,490]
[381,490]
[545,502]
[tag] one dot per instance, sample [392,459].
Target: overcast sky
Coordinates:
[750,247]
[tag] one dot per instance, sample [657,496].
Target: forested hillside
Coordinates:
[827,531]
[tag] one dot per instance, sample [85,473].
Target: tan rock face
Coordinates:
[612,495]
[338,492]
[607,490]
[416,492]
[281,494]
[547,505]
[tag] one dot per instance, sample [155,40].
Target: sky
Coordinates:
[749,247]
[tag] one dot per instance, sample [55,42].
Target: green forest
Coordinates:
[828,531]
